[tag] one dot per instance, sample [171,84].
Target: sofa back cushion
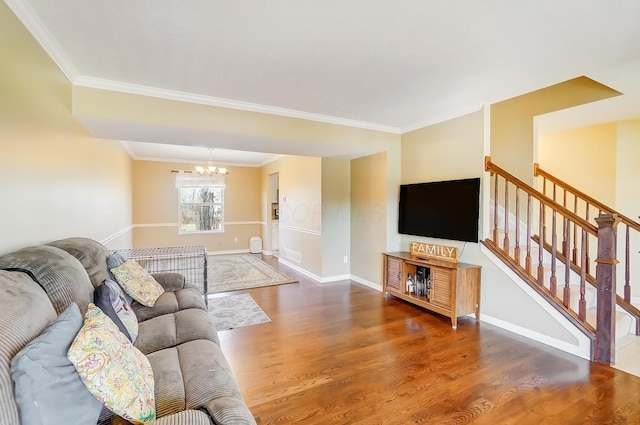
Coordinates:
[61,275]
[91,254]
[26,311]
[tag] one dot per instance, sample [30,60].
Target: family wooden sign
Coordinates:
[429,250]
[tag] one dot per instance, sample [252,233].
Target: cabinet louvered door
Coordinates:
[455,286]
[441,287]
[394,273]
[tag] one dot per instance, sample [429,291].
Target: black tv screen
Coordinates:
[445,209]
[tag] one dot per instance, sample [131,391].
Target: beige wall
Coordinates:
[167,121]
[628,197]
[155,208]
[369,218]
[336,216]
[446,151]
[628,169]
[512,132]
[58,180]
[265,204]
[301,212]
[585,158]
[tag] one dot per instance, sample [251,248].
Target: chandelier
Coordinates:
[210,169]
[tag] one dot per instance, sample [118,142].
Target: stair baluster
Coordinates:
[566,294]
[554,252]
[627,269]
[516,250]
[582,304]
[528,259]
[540,250]
[505,243]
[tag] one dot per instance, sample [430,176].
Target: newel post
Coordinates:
[606,281]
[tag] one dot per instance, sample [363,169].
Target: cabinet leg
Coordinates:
[477,312]
[454,323]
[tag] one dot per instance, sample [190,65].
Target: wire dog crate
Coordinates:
[190,261]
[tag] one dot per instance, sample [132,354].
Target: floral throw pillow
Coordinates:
[138,283]
[112,369]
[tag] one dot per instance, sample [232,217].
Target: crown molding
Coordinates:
[38,30]
[32,22]
[99,83]
[125,145]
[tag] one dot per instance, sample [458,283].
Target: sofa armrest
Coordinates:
[170,281]
[191,417]
[231,410]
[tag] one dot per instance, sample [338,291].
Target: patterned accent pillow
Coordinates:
[109,297]
[113,261]
[138,283]
[112,369]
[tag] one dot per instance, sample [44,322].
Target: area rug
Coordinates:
[241,271]
[235,311]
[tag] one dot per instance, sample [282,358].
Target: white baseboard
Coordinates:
[330,279]
[581,348]
[300,270]
[234,251]
[366,282]
[536,336]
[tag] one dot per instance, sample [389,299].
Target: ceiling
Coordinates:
[387,65]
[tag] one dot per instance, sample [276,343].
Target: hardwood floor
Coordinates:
[342,353]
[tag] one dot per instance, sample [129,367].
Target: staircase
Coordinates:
[548,238]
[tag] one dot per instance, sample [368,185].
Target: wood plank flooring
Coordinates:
[342,353]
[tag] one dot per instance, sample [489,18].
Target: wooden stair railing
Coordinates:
[541,214]
[584,205]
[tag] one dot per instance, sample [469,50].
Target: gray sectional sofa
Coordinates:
[193,381]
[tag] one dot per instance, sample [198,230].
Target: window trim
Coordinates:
[180,204]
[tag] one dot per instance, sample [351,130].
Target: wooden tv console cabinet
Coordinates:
[455,287]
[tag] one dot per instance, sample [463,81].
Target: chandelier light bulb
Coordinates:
[210,169]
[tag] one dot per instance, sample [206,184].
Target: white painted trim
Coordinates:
[300,270]
[39,31]
[35,26]
[330,279]
[336,278]
[118,86]
[366,282]
[227,223]
[233,251]
[300,230]
[583,346]
[116,235]
[536,336]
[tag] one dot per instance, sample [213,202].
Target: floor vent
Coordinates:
[292,255]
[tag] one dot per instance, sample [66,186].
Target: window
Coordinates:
[201,208]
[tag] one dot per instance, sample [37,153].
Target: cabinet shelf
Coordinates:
[455,287]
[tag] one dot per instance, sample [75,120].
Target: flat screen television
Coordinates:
[445,209]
